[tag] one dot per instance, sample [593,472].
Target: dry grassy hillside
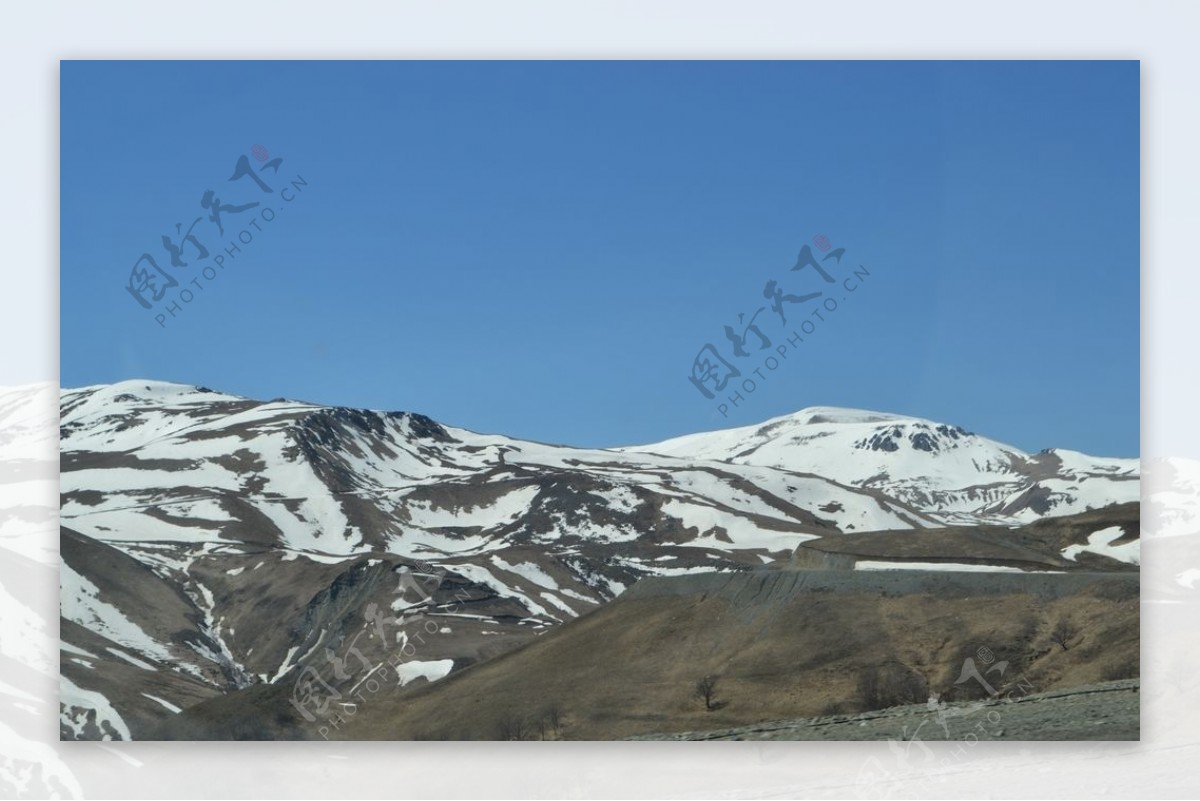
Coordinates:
[783,644]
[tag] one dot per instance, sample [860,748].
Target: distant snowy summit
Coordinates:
[938,468]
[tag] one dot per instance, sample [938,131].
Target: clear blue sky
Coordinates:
[541,248]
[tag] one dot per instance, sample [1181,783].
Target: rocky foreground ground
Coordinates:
[1108,711]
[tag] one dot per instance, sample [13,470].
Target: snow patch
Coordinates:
[948,567]
[428,670]
[165,704]
[1100,542]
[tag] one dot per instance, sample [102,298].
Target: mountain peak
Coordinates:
[777,441]
[145,389]
[837,415]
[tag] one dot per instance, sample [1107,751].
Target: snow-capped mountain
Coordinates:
[213,542]
[944,470]
[146,462]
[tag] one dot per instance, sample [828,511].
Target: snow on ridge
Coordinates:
[836,415]
[857,454]
[1078,462]
[811,415]
[708,444]
[788,442]
[147,390]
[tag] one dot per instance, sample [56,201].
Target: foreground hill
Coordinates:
[782,643]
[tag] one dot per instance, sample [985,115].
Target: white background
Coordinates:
[1163,35]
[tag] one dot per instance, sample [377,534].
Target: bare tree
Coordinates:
[706,690]
[889,684]
[1064,632]
[512,727]
[551,719]
[869,689]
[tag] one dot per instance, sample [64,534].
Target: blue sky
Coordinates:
[542,249]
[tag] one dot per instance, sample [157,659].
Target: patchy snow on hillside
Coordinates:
[80,603]
[75,704]
[1101,543]
[505,509]
[529,571]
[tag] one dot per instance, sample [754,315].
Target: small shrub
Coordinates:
[1126,669]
